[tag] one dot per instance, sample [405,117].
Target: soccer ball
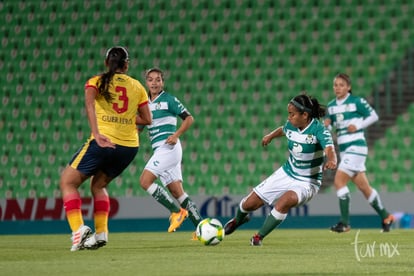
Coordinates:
[210,231]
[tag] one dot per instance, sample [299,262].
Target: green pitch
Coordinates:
[284,252]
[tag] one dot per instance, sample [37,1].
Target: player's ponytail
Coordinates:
[319,111]
[116,58]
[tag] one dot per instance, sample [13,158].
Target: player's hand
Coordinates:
[172,140]
[330,165]
[352,128]
[327,122]
[266,140]
[104,141]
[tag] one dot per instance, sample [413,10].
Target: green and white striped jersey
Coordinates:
[165,109]
[352,110]
[306,151]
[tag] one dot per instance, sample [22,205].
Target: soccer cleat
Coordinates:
[79,237]
[194,236]
[176,219]
[341,227]
[96,241]
[256,240]
[387,222]
[232,225]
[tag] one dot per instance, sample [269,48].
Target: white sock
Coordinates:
[182,198]
[277,215]
[151,189]
[342,192]
[241,206]
[372,196]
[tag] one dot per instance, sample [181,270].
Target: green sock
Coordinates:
[375,202]
[165,199]
[381,211]
[269,225]
[344,208]
[240,215]
[193,213]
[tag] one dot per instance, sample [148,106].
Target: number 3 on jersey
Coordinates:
[122,105]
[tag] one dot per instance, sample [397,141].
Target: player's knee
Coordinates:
[251,202]
[146,179]
[176,189]
[288,200]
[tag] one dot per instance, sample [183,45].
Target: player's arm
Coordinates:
[188,120]
[144,116]
[101,140]
[327,123]
[371,119]
[331,159]
[278,132]
[90,95]
[368,113]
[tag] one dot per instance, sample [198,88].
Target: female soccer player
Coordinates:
[112,102]
[299,179]
[165,162]
[350,115]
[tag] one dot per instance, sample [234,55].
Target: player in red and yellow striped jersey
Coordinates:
[112,101]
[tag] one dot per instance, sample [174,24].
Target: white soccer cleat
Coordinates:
[79,237]
[96,240]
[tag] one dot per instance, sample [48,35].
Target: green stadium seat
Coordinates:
[236,62]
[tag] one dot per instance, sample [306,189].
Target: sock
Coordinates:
[101,213]
[189,205]
[273,220]
[72,204]
[241,213]
[375,201]
[161,195]
[344,199]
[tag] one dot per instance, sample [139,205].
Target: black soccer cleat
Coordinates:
[232,225]
[341,227]
[387,222]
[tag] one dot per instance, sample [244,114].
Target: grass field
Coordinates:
[284,252]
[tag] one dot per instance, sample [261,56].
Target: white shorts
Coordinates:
[352,163]
[165,163]
[273,187]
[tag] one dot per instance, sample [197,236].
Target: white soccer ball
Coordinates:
[210,231]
